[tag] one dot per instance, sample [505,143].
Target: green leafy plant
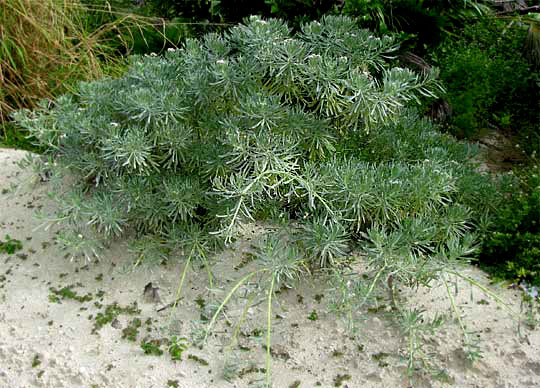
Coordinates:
[177,346]
[490,82]
[511,246]
[151,348]
[10,245]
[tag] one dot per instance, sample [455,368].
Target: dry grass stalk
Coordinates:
[44,49]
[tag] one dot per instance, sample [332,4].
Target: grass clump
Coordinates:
[45,49]
[48,46]
[318,141]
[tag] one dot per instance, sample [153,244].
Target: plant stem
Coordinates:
[180,285]
[269,331]
[226,300]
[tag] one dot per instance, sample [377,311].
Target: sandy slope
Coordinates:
[44,343]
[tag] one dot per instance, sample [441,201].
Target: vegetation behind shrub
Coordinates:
[139,29]
[490,83]
[424,23]
[511,246]
[44,51]
[49,46]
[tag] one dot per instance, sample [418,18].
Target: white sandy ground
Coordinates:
[57,339]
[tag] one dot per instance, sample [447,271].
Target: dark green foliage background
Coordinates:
[491,84]
[511,247]
[154,34]
[425,22]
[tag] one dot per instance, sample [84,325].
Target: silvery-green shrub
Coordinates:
[258,124]
[313,132]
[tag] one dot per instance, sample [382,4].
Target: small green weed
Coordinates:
[295,384]
[380,357]
[251,369]
[177,346]
[313,316]
[36,361]
[200,302]
[152,347]
[257,332]
[337,353]
[172,383]
[10,246]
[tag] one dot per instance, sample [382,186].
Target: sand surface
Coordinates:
[50,340]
